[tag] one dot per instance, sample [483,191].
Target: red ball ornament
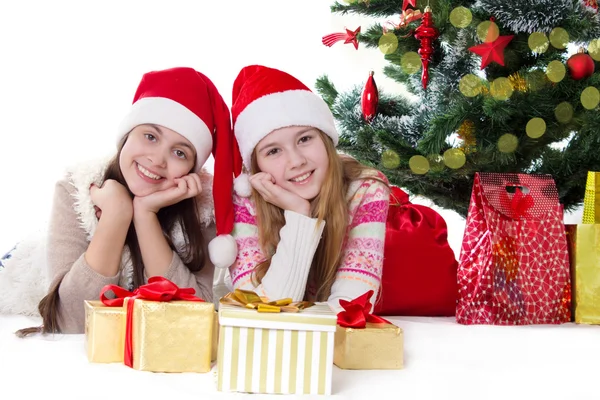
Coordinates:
[370,99]
[580,65]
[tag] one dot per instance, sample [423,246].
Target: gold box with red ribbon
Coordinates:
[166,328]
[366,341]
[104,338]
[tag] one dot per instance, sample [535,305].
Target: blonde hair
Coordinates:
[330,205]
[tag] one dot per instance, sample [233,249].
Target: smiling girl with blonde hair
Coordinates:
[311,223]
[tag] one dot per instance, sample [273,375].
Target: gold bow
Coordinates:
[249,299]
[406,18]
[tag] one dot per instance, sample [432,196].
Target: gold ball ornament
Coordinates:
[536,127]
[411,62]
[436,162]
[454,158]
[418,165]
[564,112]
[501,89]
[390,159]
[556,71]
[388,43]
[461,17]
[559,38]
[508,143]
[538,42]
[488,31]
[470,85]
[590,97]
[594,49]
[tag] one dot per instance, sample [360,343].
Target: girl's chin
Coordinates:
[139,191]
[305,194]
[140,188]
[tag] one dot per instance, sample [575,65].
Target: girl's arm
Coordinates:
[104,251]
[178,273]
[158,257]
[362,259]
[67,262]
[288,273]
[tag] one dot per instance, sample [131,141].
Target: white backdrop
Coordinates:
[69,69]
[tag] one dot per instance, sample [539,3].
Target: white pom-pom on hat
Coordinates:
[242,185]
[222,251]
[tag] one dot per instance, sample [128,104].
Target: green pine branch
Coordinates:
[372,8]
[403,129]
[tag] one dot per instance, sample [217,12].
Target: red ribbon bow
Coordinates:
[520,203]
[358,312]
[158,288]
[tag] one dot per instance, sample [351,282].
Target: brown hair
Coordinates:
[330,205]
[184,214]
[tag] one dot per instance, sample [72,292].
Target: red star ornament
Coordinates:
[406,3]
[351,38]
[492,52]
[348,37]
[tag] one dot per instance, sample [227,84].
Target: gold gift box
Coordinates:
[591,199]
[215,337]
[104,332]
[276,353]
[584,255]
[174,336]
[377,346]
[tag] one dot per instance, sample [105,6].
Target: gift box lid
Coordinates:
[97,305]
[319,318]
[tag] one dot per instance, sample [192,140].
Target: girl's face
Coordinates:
[296,158]
[152,157]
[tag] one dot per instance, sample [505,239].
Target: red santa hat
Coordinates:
[187,102]
[265,99]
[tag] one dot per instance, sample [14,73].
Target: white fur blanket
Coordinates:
[23,280]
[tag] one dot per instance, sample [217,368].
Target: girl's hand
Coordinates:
[185,187]
[113,199]
[265,185]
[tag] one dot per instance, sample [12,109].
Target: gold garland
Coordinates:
[518,83]
[466,132]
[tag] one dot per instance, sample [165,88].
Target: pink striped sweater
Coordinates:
[288,276]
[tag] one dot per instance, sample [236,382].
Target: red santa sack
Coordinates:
[419,267]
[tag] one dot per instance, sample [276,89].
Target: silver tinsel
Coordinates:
[527,15]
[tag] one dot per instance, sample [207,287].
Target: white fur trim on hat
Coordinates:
[242,186]
[279,110]
[170,114]
[222,251]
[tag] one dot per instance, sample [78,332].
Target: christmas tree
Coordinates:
[500,86]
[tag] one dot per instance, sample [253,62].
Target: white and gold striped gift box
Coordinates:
[286,353]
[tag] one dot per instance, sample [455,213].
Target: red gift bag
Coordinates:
[514,263]
[419,267]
